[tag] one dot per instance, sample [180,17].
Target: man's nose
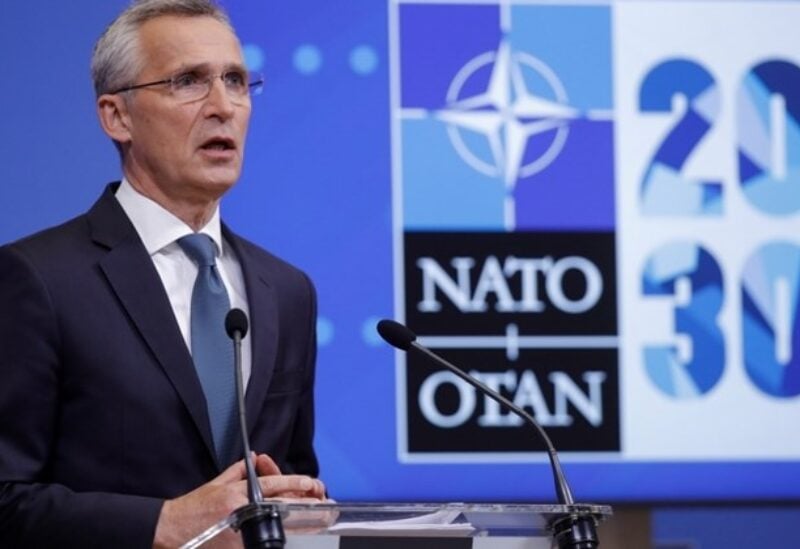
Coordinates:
[218,102]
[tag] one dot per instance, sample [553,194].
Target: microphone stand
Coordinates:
[575,530]
[259,523]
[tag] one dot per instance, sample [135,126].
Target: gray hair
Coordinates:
[116,60]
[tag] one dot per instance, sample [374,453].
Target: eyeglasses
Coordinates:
[193,85]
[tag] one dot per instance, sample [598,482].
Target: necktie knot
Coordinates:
[199,247]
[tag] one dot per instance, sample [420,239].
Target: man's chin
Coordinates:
[219,178]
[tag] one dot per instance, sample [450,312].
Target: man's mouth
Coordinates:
[218,144]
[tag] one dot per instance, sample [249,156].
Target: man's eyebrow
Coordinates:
[235,67]
[207,68]
[198,67]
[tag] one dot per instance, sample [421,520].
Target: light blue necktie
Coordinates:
[212,350]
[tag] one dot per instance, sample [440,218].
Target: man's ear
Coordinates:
[112,110]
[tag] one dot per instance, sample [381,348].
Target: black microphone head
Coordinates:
[236,321]
[396,334]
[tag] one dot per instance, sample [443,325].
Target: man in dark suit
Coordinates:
[111,434]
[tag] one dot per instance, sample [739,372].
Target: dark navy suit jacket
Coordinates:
[101,413]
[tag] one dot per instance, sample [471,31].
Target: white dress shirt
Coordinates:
[160,230]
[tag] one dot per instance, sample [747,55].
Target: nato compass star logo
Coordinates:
[508,114]
[503,117]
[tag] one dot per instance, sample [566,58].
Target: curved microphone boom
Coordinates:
[577,531]
[400,336]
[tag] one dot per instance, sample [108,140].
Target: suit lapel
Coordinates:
[264,327]
[135,281]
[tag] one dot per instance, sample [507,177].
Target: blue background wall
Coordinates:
[316,189]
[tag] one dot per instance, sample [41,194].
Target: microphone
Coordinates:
[260,525]
[236,321]
[577,531]
[400,336]
[396,334]
[236,327]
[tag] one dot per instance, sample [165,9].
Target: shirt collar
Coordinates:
[157,226]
